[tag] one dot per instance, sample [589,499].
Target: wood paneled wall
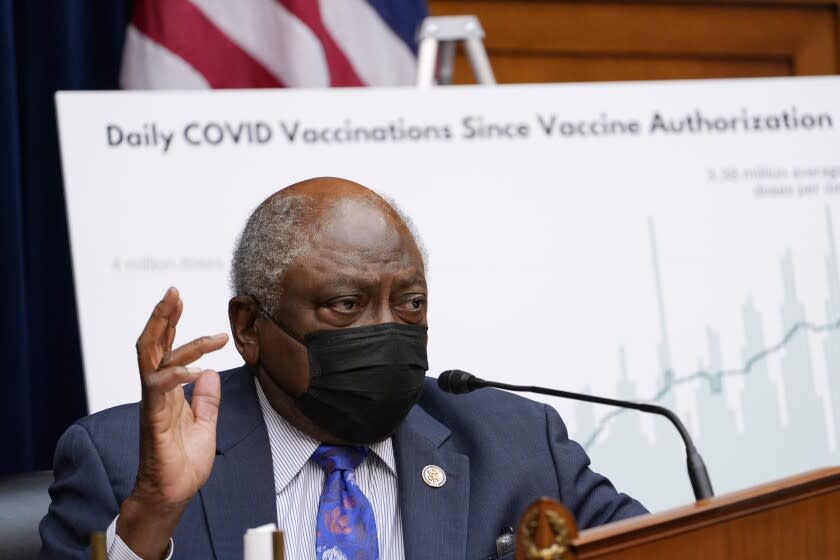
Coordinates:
[568,40]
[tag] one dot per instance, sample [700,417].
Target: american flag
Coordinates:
[194,44]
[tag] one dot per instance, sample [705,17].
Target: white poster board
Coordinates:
[668,242]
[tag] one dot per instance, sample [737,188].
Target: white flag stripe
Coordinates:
[378,55]
[149,65]
[273,36]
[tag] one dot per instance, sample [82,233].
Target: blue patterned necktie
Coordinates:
[345,528]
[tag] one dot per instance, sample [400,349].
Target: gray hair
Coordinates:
[410,226]
[275,234]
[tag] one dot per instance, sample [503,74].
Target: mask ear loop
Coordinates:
[277,323]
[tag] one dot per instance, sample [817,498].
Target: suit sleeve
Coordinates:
[83,500]
[591,497]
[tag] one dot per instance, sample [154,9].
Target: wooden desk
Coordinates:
[797,518]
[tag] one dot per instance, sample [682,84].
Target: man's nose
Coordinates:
[384,313]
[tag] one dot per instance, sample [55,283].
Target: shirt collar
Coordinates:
[291,448]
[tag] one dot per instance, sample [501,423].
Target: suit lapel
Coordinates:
[240,491]
[434,520]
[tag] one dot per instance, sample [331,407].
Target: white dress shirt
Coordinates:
[298,483]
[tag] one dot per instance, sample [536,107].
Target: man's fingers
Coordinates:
[150,345]
[173,322]
[206,396]
[157,384]
[193,350]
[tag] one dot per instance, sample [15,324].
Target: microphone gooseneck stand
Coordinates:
[458,382]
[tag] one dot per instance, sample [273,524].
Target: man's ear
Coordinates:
[242,313]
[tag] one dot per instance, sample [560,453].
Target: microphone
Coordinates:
[457,382]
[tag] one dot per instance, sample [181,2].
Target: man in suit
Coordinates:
[329,429]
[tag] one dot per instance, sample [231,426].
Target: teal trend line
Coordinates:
[672,381]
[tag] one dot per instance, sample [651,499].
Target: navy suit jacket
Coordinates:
[499,452]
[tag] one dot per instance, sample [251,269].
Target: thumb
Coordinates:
[206,397]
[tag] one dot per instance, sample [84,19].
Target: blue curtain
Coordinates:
[45,46]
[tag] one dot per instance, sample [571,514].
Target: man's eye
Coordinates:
[345,305]
[414,303]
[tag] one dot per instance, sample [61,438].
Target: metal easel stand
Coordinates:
[440,34]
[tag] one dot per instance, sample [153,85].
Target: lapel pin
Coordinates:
[434,476]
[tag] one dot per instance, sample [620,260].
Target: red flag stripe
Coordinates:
[181,27]
[341,70]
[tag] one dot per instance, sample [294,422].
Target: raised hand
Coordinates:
[177,438]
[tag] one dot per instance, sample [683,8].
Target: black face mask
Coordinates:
[363,380]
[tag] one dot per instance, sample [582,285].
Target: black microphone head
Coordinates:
[457,381]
